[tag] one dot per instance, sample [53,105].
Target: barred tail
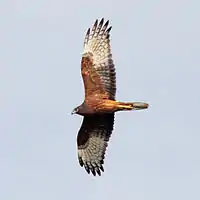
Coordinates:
[132,106]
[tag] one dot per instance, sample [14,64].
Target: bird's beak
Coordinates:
[73,112]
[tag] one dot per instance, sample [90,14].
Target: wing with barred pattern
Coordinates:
[97,67]
[92,141]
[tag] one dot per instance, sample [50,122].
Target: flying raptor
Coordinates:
[99,106]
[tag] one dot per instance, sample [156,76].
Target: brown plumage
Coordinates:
[99,106]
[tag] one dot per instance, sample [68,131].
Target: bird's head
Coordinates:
[83,110]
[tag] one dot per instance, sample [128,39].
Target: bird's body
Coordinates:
[99,106]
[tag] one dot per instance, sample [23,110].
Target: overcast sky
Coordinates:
[153,154]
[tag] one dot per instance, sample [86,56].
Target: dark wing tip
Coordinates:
[109,29]
[89,168]
[102,169]
[80,162]
[101,22]
[98,171]
[88,31]
[95,170]
[106,24]
[96,23]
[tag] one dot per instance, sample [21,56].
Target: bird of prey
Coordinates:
[99,106]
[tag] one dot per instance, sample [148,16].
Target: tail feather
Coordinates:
[132,106]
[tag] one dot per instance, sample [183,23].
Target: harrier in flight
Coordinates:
[99,106]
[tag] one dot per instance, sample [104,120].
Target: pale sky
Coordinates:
[153,154]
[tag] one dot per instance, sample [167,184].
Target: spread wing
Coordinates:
[97,67]
[92,141]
